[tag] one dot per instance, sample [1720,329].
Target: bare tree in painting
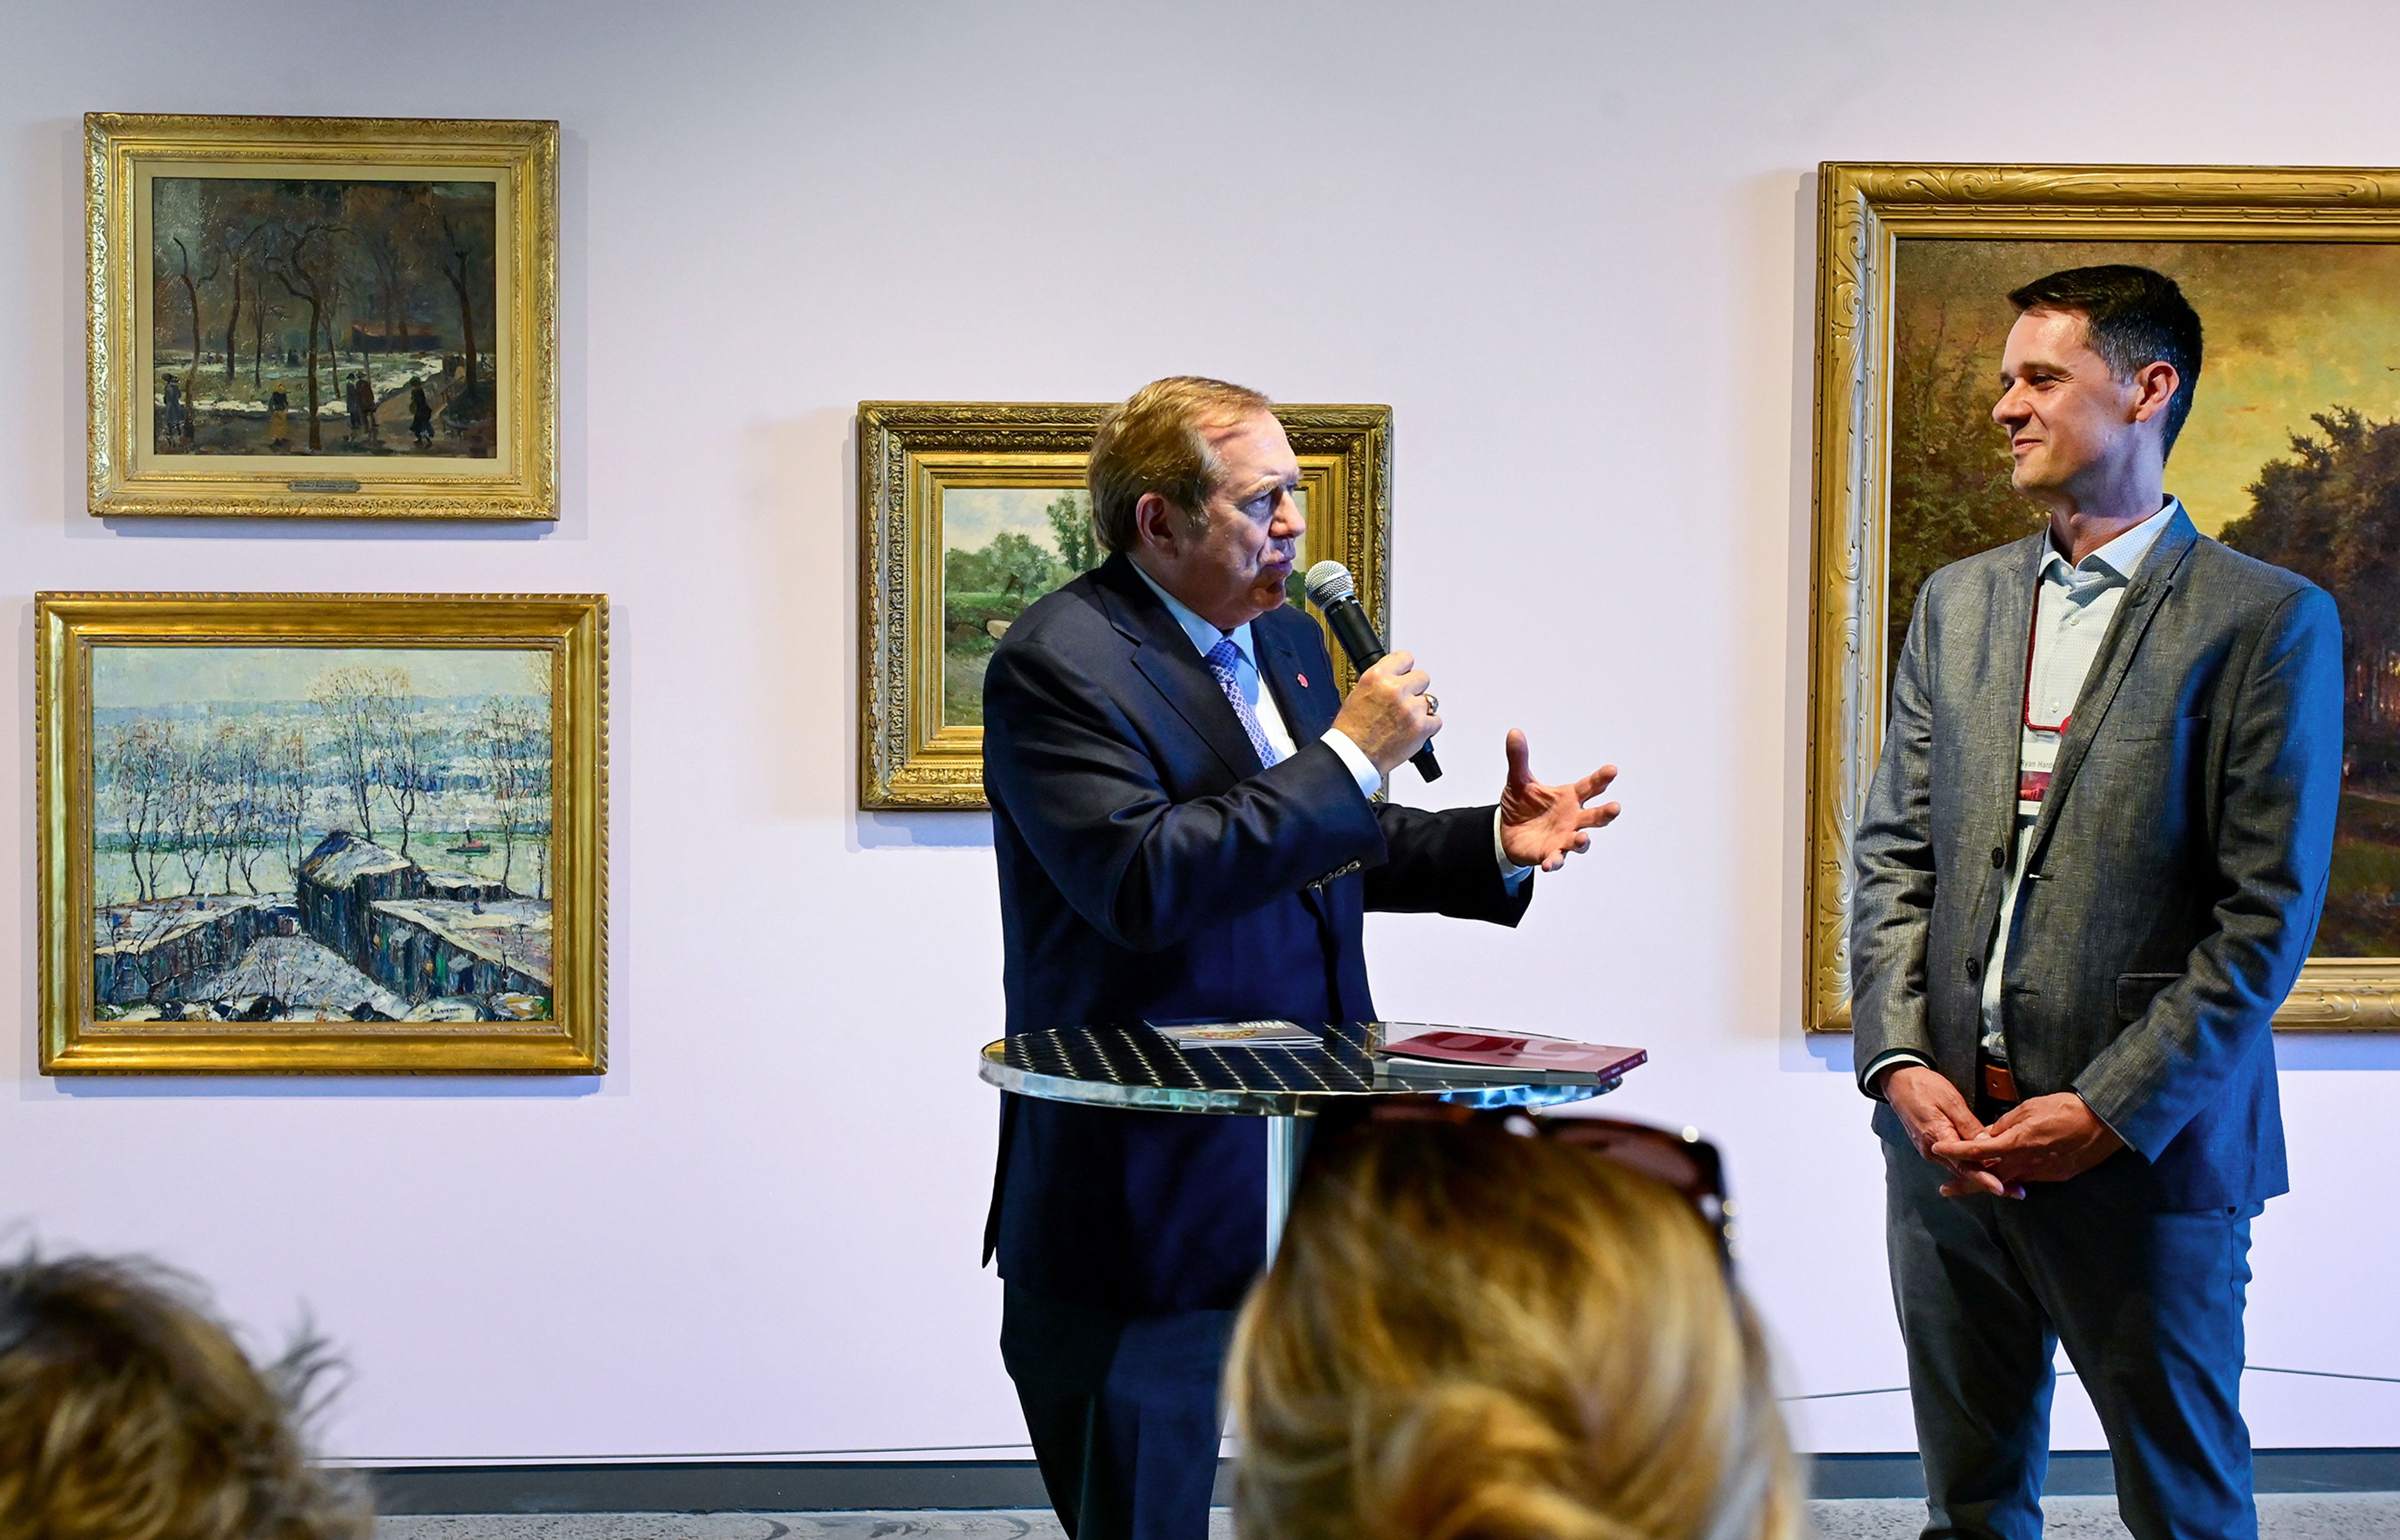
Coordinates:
[133,763]
[232,227]
[305,254]
[194,805]
[245,757]
[406,750]
[348,699]
[391,230]
[286,760]
[504,743]
[465,251]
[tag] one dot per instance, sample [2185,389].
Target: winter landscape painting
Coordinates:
[329,824]
[320,833]
[322,316]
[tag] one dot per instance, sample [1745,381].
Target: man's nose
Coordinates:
[1289,522]
[2009,409]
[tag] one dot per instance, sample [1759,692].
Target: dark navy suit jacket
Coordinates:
[1151,870]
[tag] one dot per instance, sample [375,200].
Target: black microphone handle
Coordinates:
[1357,635]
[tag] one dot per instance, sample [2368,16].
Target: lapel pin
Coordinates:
[1303,681]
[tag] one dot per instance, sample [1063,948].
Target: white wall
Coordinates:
[1570,246]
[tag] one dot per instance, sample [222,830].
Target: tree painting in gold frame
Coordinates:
[2291,454]
[970,511]
[321,832]
[321,317]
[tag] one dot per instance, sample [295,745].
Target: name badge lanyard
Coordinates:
[2033,785]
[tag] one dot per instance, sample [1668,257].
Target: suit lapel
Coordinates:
[1308,707]
[2151,586]
[1995,731]
[1165,657]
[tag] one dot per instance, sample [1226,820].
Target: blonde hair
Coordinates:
[1469,1335]
[1157,440]
[127,1414]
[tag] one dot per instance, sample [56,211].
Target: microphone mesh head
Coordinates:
[1330,581]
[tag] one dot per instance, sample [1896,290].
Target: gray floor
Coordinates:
[2349,1516]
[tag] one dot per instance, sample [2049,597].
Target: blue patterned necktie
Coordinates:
[1221,659]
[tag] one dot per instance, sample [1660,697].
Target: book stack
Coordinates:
[1420,1050]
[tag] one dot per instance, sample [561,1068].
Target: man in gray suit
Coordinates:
[2088,869]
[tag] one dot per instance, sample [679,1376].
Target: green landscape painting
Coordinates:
[2291,454]
[1002,548]
[290,834]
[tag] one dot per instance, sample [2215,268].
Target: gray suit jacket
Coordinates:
[2174,879]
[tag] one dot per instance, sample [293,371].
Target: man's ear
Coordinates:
[2154,385]
[1157,523]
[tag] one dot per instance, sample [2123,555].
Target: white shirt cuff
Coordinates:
[1892,1059]
[1362,769]
[1512,876]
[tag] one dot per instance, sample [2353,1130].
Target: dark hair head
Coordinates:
[126,1410]
[2133,316]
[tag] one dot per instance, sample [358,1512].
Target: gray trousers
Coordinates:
[2149,1304]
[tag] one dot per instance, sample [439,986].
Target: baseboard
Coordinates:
[810,1486]
[2086,1473]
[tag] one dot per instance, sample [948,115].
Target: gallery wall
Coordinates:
[1571,247]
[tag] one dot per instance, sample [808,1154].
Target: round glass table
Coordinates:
[1137,1066]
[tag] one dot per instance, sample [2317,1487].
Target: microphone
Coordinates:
[1331,589]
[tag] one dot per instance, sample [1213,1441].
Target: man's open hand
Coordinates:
[1541,825]
[2042,1139]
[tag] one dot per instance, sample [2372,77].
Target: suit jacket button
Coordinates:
[1999,855]
[1974,970]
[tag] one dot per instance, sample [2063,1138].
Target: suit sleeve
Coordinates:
[2281,786]
[1074,776]
[1443,863]
[1892,898]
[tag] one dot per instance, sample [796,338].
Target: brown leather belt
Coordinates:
[1999,1083]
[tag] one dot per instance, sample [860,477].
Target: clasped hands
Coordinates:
[2041,1139]
[1390,713]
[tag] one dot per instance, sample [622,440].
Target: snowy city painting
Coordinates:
[290,834]
[322,316]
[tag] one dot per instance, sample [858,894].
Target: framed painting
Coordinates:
[2291,454]
[322,317]
[329,833]
[971,510]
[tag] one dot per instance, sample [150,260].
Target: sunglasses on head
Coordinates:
[1682,1160]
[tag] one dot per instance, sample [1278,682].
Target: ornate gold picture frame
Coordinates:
[2296,273]
[321,832]
[969,511]
[321,317]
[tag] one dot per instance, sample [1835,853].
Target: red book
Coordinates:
[1506,1056]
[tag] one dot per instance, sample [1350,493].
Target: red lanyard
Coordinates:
[2031,632]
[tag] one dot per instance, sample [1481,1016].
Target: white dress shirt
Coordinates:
[1204,636]
[2073,606]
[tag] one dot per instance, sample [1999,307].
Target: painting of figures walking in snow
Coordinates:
[322,317]
[298,834]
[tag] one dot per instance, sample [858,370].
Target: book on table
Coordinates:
[1425,1051]
[1235,1034]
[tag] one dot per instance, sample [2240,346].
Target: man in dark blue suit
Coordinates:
[1181,813]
